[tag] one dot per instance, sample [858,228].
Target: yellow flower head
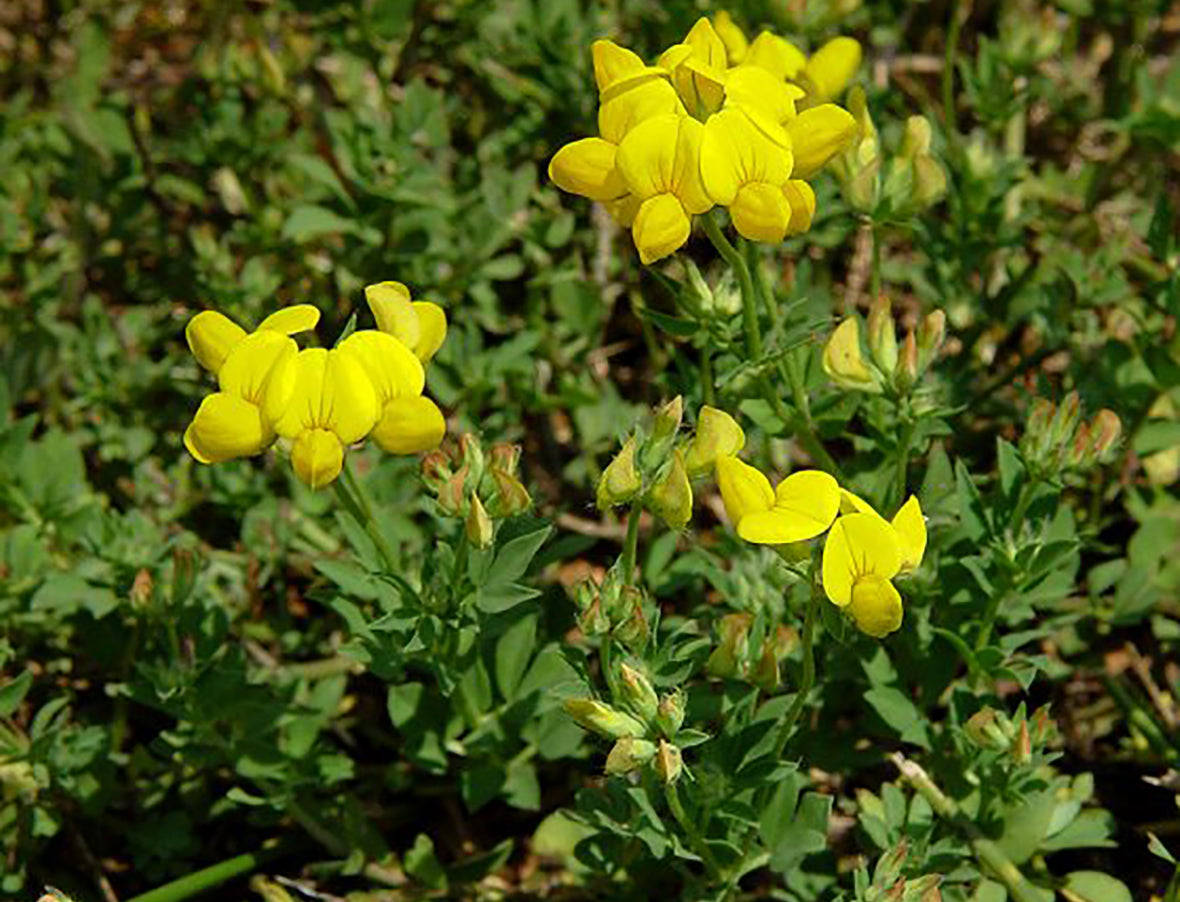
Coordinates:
[420,325]
[801,507]
[230,423]
[862,555]
[718,435]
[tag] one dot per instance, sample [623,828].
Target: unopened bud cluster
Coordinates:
[880,364]
[477,486]
[656,464]
[614,608]
[890,886]
[1018,736]
[912,181]
[642,723]
[734,658]
[1057,439]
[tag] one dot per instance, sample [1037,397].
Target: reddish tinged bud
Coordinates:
[436,469]
[452,497]
[504,457]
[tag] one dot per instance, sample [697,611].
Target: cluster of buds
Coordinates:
[887,366]
[1018,736]
[913,181]
[1057,439]
[477,486]
[890,886]
[642,724]
[613,608]
[734,657]
[722,301]
[656,466]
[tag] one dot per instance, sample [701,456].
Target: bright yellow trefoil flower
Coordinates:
[801,507]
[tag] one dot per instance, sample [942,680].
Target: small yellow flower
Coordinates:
[718,435]
[420,325]
[862,555]
[830,69]
[231,423]
[844,361]
[801,507]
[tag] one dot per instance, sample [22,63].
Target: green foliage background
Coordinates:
[193,666]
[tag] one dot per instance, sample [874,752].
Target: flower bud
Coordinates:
[890,865]
[628,755]
[1105,429]
[602,719]
[988,729]
[671,496]
[930,338]
[637,694]
[620,481]
[668,762]
[452,497]
[1065,421]
[923,889]
[1022,748]
[478,524]
[670,713]
[510,497]
[632,629]
[504,457]
[844,362]
[906,375]
[436,469]
[718,435]
[592,621]
[472,457]
[882,340]
[727,660]
[700,294]
[184,574]
[765,673]
[668,419]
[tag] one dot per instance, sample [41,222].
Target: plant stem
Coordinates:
[808,680]
[903,456]
[695,837]
[199,881]
[948,72]
[356,502]
[631,542]
[986,851]
[753,332]
[708,391]
[875,266]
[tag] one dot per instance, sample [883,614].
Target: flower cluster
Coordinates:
[888,367]
[318,401]
[863,551]
[717,121]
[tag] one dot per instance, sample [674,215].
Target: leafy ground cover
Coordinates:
[917,269]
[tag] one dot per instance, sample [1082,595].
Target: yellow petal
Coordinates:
[391,307]
[671,497]
[859,545]
[831,68]
[809,495]
[432,329]
[817,135]
[289,320]
[390,365]
[718,435]
[735,151]
[761,212]
[910,526]
[647,156]
[661,227]
[587,168]
[623,210]
[853,504]
[744,489]
[247,370]
[409,425]
[636,104]
[776,55]
[731,36]
[686,167]
[707,46]
[317,457]
[614,64]
[801,198]
[211,336]
[226,427]
[875,606]
[843,360]
[330,391]
[753,88]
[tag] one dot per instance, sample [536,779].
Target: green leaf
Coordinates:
[422,864]
[402,702]
[1094,886]
[900,713]
[1158,849]
[65,594]
[475,868]
[514,650]
[13,692]
[500,590]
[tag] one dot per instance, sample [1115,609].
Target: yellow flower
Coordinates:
[231,422]
[718,435]
[420,325]
[659,163]
[844,360]
[698,68]
[862,555]
[776,55]
[731,36]
[830,69]
[801,507]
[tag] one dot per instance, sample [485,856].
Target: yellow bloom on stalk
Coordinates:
[801,507]
[862,555]
[420,325]
[230,423]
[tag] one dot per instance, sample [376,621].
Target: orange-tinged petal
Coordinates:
[409,425]
[587,168]
[317,456]
[225,427]
[211,336]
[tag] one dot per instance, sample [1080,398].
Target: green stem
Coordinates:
[695,837]
[986,851]
[903,456]
[948,72]
[631,542]
[761,290]
[356,502]
[808,680]
[753,332]
[802,424]
[875,266]
[708,390]
[199,881]
[606,661]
